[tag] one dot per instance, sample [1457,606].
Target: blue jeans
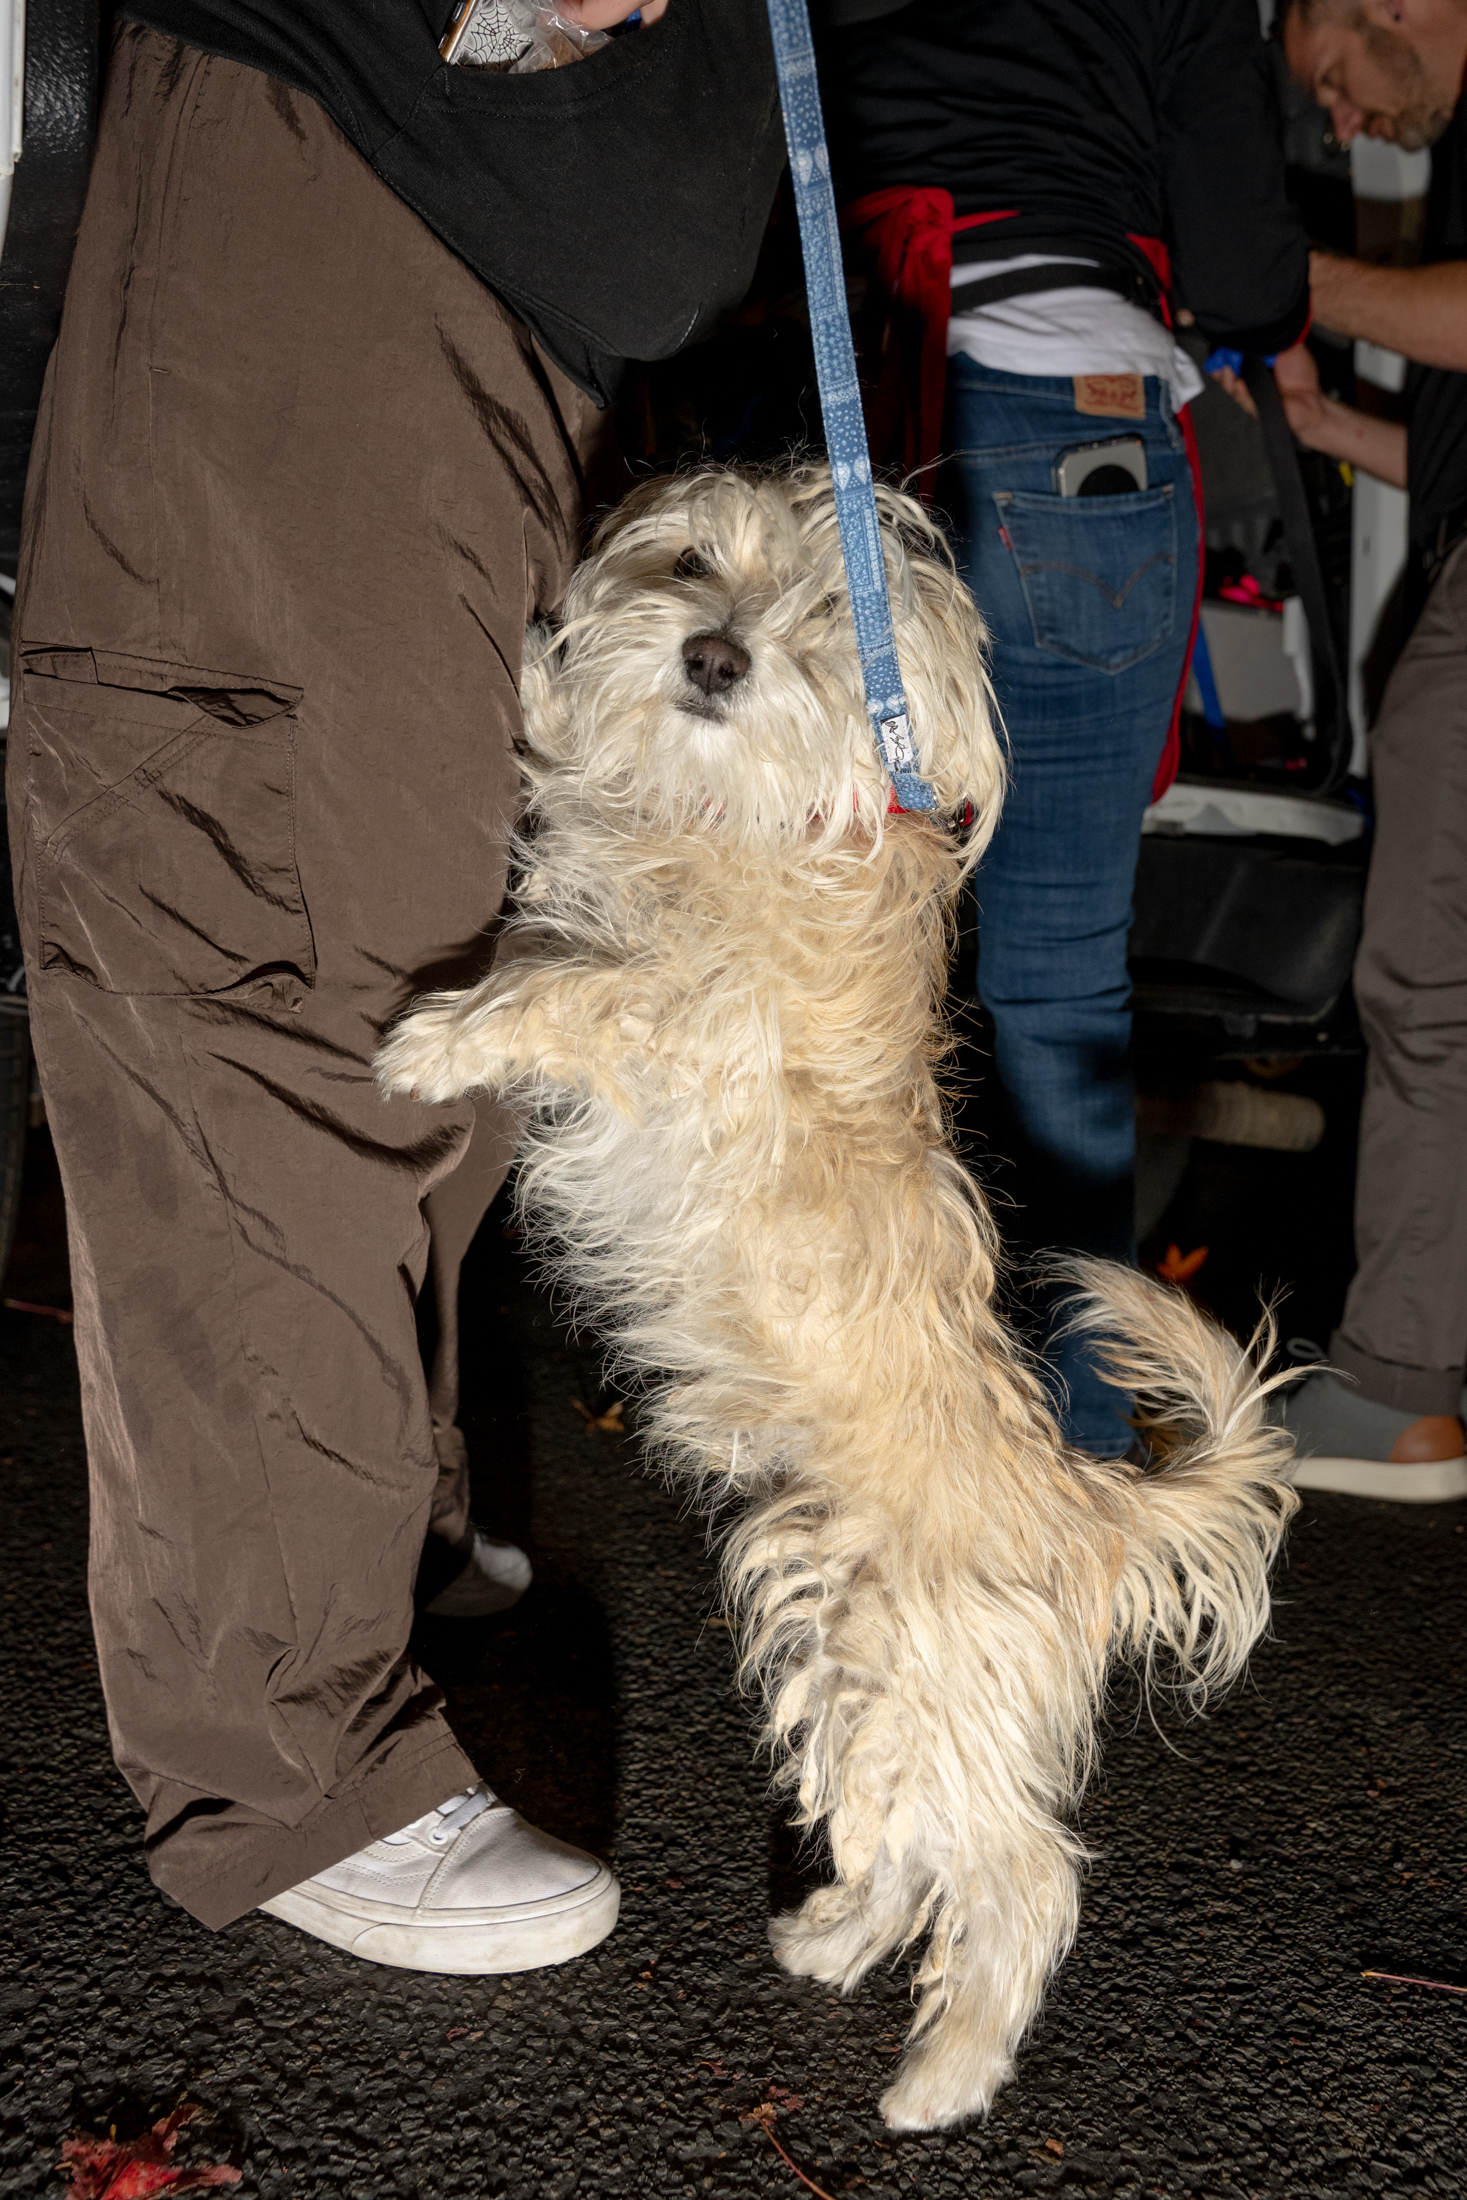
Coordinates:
[1089,604]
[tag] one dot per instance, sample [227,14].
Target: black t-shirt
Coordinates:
[1095,120]
[617,205]
[1436,452]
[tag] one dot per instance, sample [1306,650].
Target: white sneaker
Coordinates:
[495,1576]
[468,1888]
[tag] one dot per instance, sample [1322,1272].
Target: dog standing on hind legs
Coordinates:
[721,1000]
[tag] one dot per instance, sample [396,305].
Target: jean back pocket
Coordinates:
[1099,574]
[162,822]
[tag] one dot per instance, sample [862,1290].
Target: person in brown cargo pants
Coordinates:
[282,423]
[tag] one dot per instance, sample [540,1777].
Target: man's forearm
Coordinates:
[1420,311]
[1376,446]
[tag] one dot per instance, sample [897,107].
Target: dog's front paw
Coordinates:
[435,1054]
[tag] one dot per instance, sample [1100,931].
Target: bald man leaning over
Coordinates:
[1394,69]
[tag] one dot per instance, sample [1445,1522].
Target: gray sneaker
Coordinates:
[1345,1442]
[469,1887]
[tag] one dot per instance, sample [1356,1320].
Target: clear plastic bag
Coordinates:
[513,37]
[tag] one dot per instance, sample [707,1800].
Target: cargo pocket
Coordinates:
[162,822]
[1099,574]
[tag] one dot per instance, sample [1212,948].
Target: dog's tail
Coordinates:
[1207,1516]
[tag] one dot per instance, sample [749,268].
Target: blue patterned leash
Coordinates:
[840,402]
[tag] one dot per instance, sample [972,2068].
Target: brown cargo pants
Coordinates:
[298,483]
[1404,1331]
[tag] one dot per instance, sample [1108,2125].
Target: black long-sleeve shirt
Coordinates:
[617,205]
[1097,121]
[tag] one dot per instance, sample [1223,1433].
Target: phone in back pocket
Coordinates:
[1112,468]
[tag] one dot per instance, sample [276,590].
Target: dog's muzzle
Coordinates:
[714,662]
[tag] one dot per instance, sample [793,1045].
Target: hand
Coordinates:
[1236,388]
[1296,373]
[1323,424]
[599,15]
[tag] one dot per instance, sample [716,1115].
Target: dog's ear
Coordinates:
[943,649]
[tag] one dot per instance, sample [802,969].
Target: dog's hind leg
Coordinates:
[841,1930]
[935,1828]
[995,1942]
[820,1633]
[996,1938]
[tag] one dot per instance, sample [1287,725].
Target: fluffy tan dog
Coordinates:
[722,997]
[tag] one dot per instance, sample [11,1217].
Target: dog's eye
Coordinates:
[691,567]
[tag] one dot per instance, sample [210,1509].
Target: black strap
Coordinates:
[1017,282]
[1433,553]
[1331,696]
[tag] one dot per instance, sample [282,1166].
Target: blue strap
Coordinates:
[1225,356]
[840,402]
[1212,710]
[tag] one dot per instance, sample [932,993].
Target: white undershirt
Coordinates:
[1073,331]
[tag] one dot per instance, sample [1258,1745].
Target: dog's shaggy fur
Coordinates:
[723,995]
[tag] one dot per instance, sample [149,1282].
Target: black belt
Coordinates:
[1017,282]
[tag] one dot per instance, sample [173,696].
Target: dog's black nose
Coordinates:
[714,662]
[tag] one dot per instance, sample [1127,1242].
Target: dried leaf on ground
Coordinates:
[610,1420]
[1180,1267]
[131,2169]
[766,2114]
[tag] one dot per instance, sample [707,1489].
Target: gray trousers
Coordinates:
[1404,1332]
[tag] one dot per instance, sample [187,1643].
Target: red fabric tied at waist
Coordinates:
[903,238]
[905,235]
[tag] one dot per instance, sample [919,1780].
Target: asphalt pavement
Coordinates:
[1211,2034]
